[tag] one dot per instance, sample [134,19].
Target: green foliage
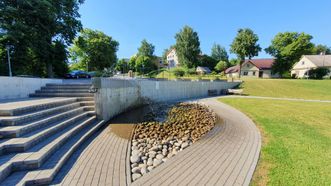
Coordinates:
[287,48]
[322,49]
[245,44]
[35,29]
[132,63]
[318,73]
[219,53]
[122,65]
[178,71]
[190,71]
[94,50]
[146,49]
[188,47]
[234,62]
[221,66]
[207,61]
[144,65]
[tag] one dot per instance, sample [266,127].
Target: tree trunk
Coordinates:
[50,73]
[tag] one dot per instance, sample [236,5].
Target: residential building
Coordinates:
[172,59]
[259,68]
[308,62]
[203,70]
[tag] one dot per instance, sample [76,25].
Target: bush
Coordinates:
[318,73]
[178,72]
[190,71]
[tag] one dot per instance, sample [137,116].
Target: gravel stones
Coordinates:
[154,142]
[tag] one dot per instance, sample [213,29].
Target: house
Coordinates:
[308,62]
[203,70]
[172,59]
[259,68]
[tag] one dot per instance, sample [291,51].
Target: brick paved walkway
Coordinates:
[227,155]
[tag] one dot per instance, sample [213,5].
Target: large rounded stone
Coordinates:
[135,159]
[159,156]
[184,145]
[135,176]
[136,170]
[157,162]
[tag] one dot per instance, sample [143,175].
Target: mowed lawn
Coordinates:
[296,146]
[288,88]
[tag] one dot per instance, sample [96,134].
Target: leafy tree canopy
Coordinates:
[188,47]
[145,64]
[94,50]
[35,29]
[287,48]
[221,66]
[146,49]
[122,65]
[207,61]
[322,49]
[219,53]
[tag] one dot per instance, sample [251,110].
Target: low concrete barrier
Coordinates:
[18,87]
[115,96]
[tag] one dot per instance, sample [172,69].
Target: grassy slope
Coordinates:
[286,88]
[296,141]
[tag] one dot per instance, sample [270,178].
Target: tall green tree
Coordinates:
[146,49]
[322,49]
[35,29]
[219,53]
[94,50]
[245,45]
[287,48]
[122,65]
[144,64]
[188,47]
[207,61]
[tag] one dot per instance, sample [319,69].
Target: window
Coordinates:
[245,73]
[254,73]
[302,62]
[247,65]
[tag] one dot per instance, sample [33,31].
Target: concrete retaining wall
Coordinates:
[17,87]
[115,96]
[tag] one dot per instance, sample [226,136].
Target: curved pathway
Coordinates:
[227,155]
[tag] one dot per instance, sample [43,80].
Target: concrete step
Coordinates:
[46,173]
[62,95]
[24,108]
[17,120]
[68,85]
[34,159]
[73,91]
[17,131]
[64,88]
[25,142]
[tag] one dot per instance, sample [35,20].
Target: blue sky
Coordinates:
[130,21]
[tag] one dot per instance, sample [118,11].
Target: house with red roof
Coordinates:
[259,68]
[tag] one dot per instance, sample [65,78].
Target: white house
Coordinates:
[259,68]
[308,62]
[172,59]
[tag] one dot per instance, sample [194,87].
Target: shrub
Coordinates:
[178,72]
[318,73]
[190,71]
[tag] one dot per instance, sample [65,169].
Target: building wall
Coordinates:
[115,96]
[172,59]
[17,87]
[301,67]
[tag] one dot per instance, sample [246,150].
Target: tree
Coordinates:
[35,29]
[122,65]
[144,64]
[207,61]
[219,53]
[234,62]
[245,45]
[221,66]
[94,50]
[188,47]
[322,49]
[146,49]
[287,48]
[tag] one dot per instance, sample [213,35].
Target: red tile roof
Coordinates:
[262,64]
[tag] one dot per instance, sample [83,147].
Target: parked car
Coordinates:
[76,74]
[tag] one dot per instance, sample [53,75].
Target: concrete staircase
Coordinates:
[37,138]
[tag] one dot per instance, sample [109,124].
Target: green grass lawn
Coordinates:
[296,146]
[288,88]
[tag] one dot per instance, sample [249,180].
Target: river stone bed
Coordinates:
[154,142]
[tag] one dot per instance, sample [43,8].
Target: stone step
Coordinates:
[29,108]
[25,142]
[73,91]
[34,159]
[46,174]
[62,95]
[69,85]
[17,131]
[17,120]
[65,88]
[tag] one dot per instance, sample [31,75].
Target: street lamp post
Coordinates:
[8,57]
